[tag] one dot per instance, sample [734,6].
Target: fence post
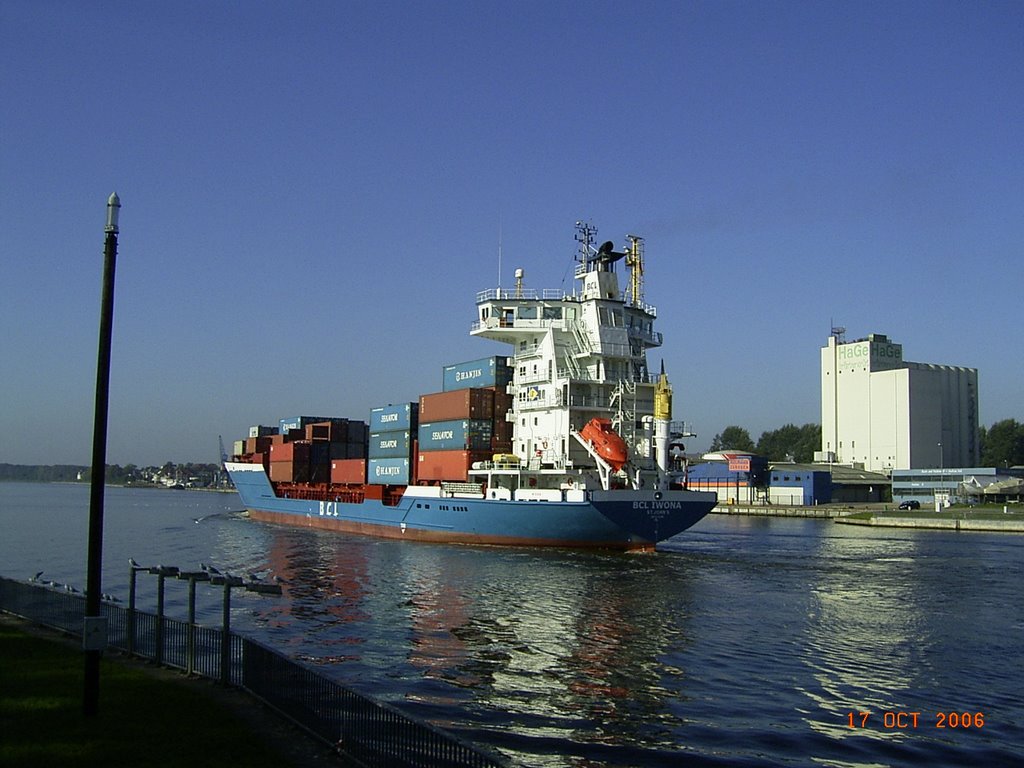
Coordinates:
[225,637]
[131,611]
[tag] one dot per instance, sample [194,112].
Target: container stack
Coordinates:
[305,447]
[392,429]
[256,447]
[465,423]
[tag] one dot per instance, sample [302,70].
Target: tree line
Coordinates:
[787,443]
[1002,444]
[129,474]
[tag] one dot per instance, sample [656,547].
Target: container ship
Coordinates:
[566,441]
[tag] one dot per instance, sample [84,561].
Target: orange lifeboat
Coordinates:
[608,444]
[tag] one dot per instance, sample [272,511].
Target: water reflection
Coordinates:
[552,644]
[867,640]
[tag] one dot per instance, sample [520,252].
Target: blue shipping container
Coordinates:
[387,471]
[389,418]
[390,445]
[470,435]
[485,372]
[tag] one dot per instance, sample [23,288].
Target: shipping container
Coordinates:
[389,418]
[320,473]
[390,445]
[337,431]
[472,435]
[299,422]
[502,431]
[289,471]
[448,465]
[486,372]
[388,471]
[347,450]
[297,451]
[319,453]
[260,458]
[239,448]
[349,471]
[258,444]
[502,404]
[457,404]
[501,446]
[262,431]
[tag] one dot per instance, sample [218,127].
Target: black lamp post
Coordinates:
[94,628]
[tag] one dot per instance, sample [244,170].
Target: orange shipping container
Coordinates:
[448,465]
[289,472]
[457,404]
[348,471]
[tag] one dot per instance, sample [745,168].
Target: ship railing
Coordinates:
[650,309]
[361,730]
[524,294]
[652,337]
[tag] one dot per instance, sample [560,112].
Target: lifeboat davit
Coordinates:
[607,443]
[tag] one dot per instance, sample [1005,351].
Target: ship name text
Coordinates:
[657,505]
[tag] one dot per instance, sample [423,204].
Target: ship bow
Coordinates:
[653,515]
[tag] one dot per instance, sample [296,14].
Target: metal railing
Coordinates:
[361,730]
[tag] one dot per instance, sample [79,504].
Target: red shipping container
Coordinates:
[457,404]
[297,452]
[348,471]
[259,458]
[448,465]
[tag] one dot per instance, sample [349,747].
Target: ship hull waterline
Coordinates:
[622,520]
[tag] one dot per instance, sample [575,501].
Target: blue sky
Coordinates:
[313,194]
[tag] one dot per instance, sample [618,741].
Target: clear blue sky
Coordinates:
[313,193]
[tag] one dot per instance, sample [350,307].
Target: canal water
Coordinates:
[745,641]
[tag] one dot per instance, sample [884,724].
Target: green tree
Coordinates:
[791,441]
[733,438]
[1002,444]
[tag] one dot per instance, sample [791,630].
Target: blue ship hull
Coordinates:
[618,519]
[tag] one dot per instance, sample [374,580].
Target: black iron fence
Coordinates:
[360,729]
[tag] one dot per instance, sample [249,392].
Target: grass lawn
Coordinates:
[144,719]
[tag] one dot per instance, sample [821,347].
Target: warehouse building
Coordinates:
[880,412]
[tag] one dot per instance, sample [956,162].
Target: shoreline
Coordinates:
[884,516]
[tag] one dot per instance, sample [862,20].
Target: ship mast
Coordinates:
[635,262]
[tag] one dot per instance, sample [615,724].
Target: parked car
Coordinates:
[910,504]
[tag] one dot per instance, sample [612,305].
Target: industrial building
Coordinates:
[882,413]
[747,479]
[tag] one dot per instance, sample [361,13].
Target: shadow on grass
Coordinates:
[142,720]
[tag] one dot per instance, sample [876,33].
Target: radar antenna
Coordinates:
[585,234]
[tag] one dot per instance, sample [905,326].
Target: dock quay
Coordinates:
[771,510]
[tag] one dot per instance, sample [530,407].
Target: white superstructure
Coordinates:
[884,413]
[577,357]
